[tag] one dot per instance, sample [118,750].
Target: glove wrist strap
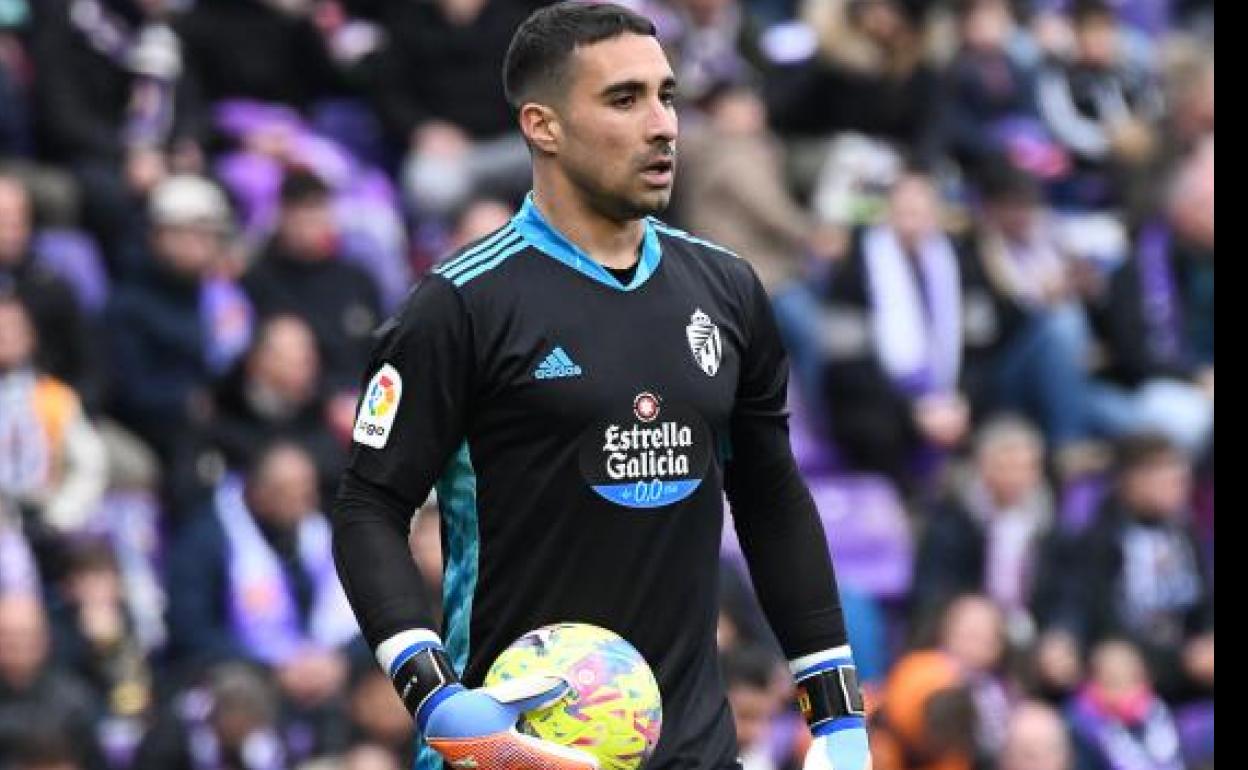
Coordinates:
[830,694]
[420,674]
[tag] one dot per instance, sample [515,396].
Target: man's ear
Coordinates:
[541,127]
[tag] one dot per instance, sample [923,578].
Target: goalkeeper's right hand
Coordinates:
[475,728]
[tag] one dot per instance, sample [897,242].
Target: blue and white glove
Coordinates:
[829,698]
[474,728]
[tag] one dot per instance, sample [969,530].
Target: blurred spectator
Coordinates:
[1157,321]
[750,673]
[1118,721]
[253,578]
[95,637]
[267,50]
[64,341]
[709,42]
[1140,573]
[990,535]
[52,462]
[452,119]
[274,394]
[926,717]
[378,717]
[990,107]
[113,104]
[1100,105]
[915,329]
[34,695]
[231,722]
[869,77]
[161,343]
[733,190]
[1036,739]
[425,541]
[301,273]
[973,634]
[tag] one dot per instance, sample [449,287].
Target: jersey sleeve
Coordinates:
[776,520]
[409,422]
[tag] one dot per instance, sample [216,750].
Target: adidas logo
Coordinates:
[557,366]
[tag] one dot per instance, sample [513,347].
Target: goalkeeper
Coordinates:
[583,386]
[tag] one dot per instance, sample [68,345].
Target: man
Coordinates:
[301,273]
[589,411]
[35,696]
[1036,740]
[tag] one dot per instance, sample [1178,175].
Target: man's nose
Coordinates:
[662,124]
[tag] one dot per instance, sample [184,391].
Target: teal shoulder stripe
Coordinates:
[489,242]
[479,255]
[667,229]
[495,259]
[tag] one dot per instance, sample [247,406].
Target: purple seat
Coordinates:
[868,533]
[73,256]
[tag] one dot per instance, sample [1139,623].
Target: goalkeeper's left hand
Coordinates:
[831,702]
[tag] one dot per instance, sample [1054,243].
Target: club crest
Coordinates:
[704,342]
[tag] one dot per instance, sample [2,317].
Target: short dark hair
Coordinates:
[537,58]
[1139,451]
[748,665]
[1092,11]
[301,186]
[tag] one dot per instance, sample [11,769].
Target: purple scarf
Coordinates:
[262,605]
[1160,301]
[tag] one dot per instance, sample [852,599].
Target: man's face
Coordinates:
[752,710]
[17,337]
[188,250]
[1097,39]
[23,640]
[285,491]
[1011,471]
[1036,741]
[1159,489]
[617,142]
[914,211]
[307,230]
[14,223]
[287,362]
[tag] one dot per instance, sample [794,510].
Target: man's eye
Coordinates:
[624,102]
[668,98]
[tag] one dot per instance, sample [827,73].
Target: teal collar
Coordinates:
[543,236]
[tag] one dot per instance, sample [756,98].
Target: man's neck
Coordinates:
[611,243]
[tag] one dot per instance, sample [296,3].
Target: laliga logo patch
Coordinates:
[704,341]
[378,408]
[652,455]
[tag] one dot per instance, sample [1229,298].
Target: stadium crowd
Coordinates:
[988,231]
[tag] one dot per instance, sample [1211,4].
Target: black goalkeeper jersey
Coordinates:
[579,432]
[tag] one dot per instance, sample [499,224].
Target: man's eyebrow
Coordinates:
[636,86]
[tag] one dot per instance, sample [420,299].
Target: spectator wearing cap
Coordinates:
[53,468]
[252,578]
[438,94]
[301,273]
[63,331]
[114,104]
[275,393]
[1138,573]
[35,695]
[160,339]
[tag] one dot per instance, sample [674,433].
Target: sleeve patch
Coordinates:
[378,408]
